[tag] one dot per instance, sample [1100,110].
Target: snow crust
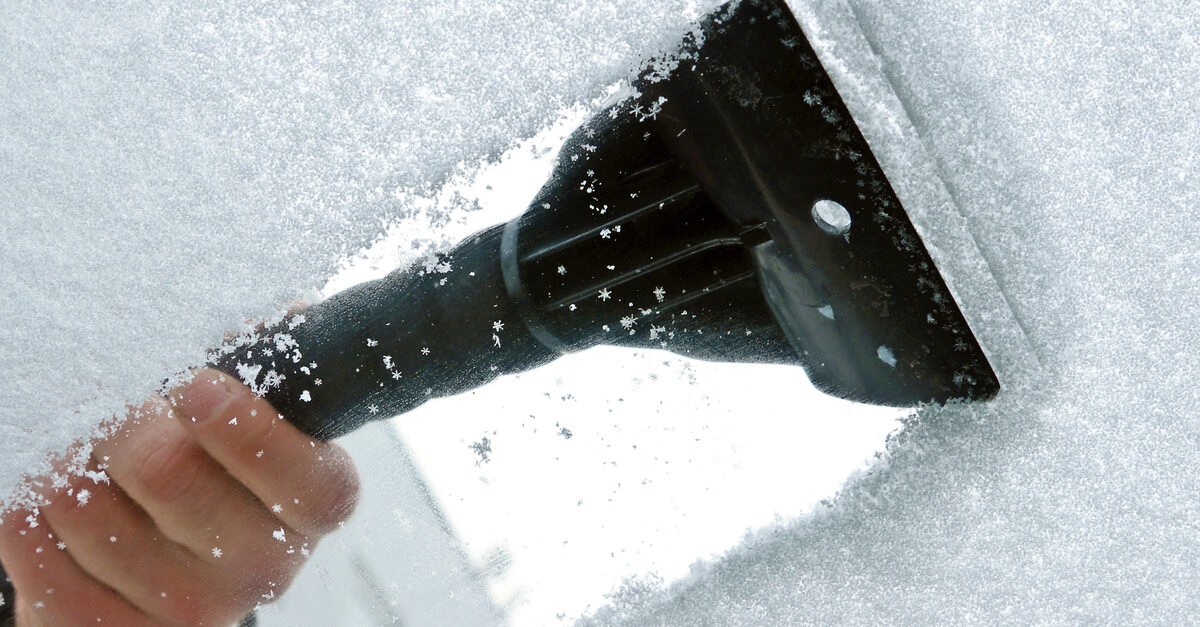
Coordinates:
[1065,134]
[172,168]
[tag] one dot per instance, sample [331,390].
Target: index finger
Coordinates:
[309,484]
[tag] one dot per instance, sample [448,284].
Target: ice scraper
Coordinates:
[730,210]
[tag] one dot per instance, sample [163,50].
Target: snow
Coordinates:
[1074,498]
[171,169]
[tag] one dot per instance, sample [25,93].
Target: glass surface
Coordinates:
[536,498]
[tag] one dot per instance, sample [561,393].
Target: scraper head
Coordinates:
[743,162]
[730,210]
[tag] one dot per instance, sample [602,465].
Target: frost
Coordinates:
[240,149]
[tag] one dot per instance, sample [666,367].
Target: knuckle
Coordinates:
[168,472]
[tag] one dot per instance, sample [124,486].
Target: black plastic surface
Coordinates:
[681,219]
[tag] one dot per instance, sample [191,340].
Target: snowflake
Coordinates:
[655,331]
[305,396]
[271,380]
[605,294]
[572,307]
[279,535]
[605,233]
[425,350]
[259,454]
[216,552]
[627,322]
[371,342]
[233,421]
[498,326]
[82,496]
[61,545]
[316,382]
[660,294]
[112,538]
[496,340]
[374,409]
[396,375]
[277,508]
[562,269]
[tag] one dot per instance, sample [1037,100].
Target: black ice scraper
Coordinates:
[730,211]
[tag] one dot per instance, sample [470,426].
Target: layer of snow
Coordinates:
[170,168]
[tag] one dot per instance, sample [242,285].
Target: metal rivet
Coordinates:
[831,216]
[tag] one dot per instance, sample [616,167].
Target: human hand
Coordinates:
[212,503]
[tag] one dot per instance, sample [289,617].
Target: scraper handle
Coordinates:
[383,347]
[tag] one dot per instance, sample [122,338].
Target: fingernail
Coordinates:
[204,397]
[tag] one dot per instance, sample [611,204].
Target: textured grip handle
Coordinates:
[384,347]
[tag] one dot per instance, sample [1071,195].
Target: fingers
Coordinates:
[191,499]
[310,485]
[114,541]
[181,531]
[52,589]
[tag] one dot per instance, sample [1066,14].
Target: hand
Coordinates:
[212,503]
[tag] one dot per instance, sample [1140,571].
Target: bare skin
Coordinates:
[213,504]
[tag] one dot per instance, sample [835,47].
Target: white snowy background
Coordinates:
[168,170]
